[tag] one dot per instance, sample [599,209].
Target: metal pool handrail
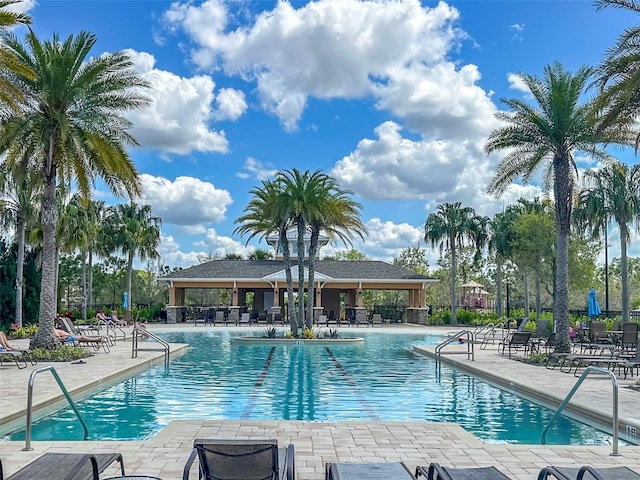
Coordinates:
[141,330]
[467,334]
[27,446]
[585,374]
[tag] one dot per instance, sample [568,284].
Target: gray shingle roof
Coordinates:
[254,269]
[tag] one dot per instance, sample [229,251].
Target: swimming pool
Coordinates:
[380,379]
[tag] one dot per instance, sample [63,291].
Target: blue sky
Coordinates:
[395,99]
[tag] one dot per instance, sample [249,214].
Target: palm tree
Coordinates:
[547,136]
[452,227]
[18,200]
[619,74]
[268,213]
[10,93]
[331,210]
[260,254]
[134,232]
[613,193]
[499,244]
[70,130]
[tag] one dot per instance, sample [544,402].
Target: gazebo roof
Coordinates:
[325,270]
[472,284]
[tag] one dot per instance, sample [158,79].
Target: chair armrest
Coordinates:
[592,473]
[288,465]
[424,471]
[187,467]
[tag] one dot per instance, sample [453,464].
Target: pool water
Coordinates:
[379,380]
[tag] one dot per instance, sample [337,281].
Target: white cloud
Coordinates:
[328,49]
[231,104]
[177,121]
[21,7]
[186,201]
[220,245]
[517,31]
[516,83]
[255,169]
[171,254]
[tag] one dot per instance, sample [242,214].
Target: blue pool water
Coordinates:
[378,380]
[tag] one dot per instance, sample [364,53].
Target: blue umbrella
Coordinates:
[593,308]
[125,303]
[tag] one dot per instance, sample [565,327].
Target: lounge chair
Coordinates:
[588,473]
[629,338]
[361,319]
[368,471]
[66,466]
[219,318]
[201,317]
[631,363]
[245,319]
[95,341]
[18,356]
[437,472]
[118,321]
[323,320]
[277,319]
[242,459]
[376,319]
[232,317]
[517,341]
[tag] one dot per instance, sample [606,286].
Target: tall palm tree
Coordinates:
[613,193]
[499,245]
[452,227]
[547,135]
[330,210]
[134,232]
[619,74]
[98,243]
[19,196]
[268,213]
[297,187]
[70,129]
[10,93]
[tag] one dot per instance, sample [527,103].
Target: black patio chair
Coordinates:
[241,460]
[517,341]
[437,472]
[356,471]
[588,473]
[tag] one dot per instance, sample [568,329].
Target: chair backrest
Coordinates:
[361,317]
[219,316]
[322,319]
[597,330]
[520,323]
[237,459]
[69,326]
[629,333]
[377,318]
[244,318]
[541,327]
[520,338]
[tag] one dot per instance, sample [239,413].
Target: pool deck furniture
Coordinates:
[517,341]
[367,471]
[66,466]
[236,459]
[435,471]
[20,357]
[588,473]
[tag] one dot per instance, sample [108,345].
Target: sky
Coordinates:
[394,99]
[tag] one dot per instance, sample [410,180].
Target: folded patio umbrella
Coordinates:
[593,309]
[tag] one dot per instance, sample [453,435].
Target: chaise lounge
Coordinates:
[66,466]
[588,473]
[437,472]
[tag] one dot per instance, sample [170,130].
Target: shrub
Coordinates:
[26,331]
[63,353]
[310,333]
[332,333]
[271,332]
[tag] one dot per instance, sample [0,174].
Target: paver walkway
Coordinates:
[415,443]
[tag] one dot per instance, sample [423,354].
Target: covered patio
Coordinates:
[334,280]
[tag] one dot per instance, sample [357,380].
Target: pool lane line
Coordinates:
[354,386]
[259,382]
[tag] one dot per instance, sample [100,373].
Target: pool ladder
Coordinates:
[139,330]
[32,377]
[466,336]
[614,381]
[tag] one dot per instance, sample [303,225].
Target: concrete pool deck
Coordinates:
[415,443]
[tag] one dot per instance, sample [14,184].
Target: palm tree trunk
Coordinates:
[525,294]
[313,245]
[128,290]
[538,294]
[301,301]
[90,281]
[45,337]
[499,286]
[562,193]
[83,282]
[286,255]
[624,271]
[452,290]
[21,227]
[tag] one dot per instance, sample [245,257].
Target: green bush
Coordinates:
[26,331]
[63,353]
[270,332]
